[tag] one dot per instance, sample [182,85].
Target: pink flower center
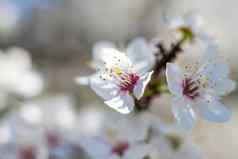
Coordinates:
[190,88]
[120,148]
[53,140]
[128,82]
[27,153]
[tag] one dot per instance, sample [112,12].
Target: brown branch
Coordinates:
[167,56]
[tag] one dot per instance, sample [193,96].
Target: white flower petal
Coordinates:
[141,54]
[194,20]
[118,59]
[102,88]
[176,22]
[19,57]
[174,78]
[222,87]
[183,113]
[123,103]
[95,147]
[30,84]
[214,67]
[141,85]
[213,110]
[214,70]
[85,80]
[113,157]
[210,52]
[101,50]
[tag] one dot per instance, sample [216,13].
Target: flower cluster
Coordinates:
[128,80]
[34,133]
[123,77]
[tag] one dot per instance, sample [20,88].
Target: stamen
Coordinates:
[120,148]
[28,152]
[190,88]
[123,76]
[129,84]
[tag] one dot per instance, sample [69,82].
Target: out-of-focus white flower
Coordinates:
[40,112]
[5,134]
[118,140]
[35,132]
[191,25]
[166,141]
[171,143]
[94,118]
[53,128]
[23,141]
[17,75]
[121,75]
[200,88]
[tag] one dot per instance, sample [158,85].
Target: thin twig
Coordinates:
[167,56]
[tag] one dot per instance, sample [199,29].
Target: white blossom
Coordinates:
[166,141]
[191,23]
[200,89]
[121,75]
[118,140]
[40,129]
[17,75]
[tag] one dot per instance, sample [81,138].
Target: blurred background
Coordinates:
[59,35]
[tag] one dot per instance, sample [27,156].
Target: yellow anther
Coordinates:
[118,71]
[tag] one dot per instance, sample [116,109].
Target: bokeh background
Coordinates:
[59,34]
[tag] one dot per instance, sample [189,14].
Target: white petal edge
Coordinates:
[95,147]
[183,113]
[85,80]
[30,84]
[19,57]
[104,89]
[141,85]
[100,50]
[123,103]
[141,54]
[174,78]
[214,111]
[223,87]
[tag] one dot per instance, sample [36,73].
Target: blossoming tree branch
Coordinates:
[129,79]
[46,126]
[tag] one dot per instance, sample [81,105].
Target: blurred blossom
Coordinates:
[117,136]
[94,119]
[118,139]
[5,134]
[26,141]
[68,151]
[52,116]
[200,87]
[139,136]
[190,26]
[40,127]
[17,75]
[168,142]
[34,125]
[121,74]
[40,112]
[31,113]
